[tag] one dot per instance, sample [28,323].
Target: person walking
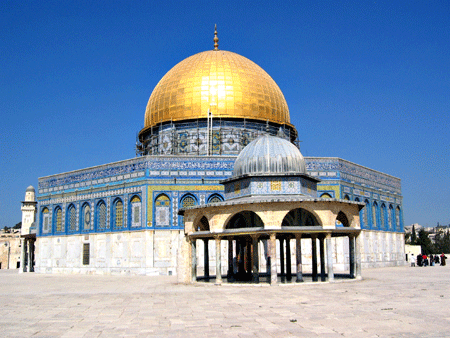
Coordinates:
[443,258]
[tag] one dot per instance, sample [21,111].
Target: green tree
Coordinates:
[443,242]
[413,236]
[18,226]
[425,242]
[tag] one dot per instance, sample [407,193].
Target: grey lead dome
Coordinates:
[269,155]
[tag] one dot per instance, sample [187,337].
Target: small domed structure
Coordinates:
[269,155]
[270,165]
[30,194]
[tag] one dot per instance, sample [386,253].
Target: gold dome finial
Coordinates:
[216,39]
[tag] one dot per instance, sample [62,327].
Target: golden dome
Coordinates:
[228,84]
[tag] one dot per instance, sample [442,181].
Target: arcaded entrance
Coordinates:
[258,254]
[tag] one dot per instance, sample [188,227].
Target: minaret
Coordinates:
[28,210]
[27,239]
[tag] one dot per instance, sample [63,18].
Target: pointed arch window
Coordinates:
[58,220]
[72,218]
[45,220]
[383,216]
[118,221]
[86,221]
[162,211]
[374,214]
[101,216]
[188,201]
[135,211]
[215,199]
[366,213]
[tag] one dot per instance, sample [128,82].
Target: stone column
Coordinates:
[29,256]
[329,245]
[255,260]
[314,257]
[281,240]
[358,256]
[288,260]
[193,260]
[298,253]
[206,257]
[351,242]
[218,262]
[273,259]
[22,255]
[230,258]
[322,258]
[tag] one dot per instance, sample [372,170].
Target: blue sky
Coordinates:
[367,81]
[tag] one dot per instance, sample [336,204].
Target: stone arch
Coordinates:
[202,224]
[342,220]
[300,217]
[244,219]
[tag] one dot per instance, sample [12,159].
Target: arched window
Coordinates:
[366,213]
[45,219]
[347,198]
[101,216]
[58,224]
[374,214]
[162,211]
[397,219]
[188,201]
[391,217]
[118,221]
[383,216]
[72,218]
[135,211]
[86,217]
[361,214]
[215,199]
[325,195]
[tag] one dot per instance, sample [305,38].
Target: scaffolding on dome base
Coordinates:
[219,136]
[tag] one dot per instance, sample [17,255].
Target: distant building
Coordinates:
[10,249]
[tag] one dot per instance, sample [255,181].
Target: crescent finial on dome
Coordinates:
[216,39]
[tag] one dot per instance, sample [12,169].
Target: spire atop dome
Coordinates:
[216,39]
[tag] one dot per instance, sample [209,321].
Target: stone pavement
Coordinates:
[388,302]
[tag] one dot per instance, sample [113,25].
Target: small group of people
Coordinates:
[424,260]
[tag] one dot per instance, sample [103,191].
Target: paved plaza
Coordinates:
[388,302]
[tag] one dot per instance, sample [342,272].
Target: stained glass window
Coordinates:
[72,218]
[135,211]
[59,220]
[86,217]
[188,202]
[374,214]
[45,220]
[215,199]
[118,214]
[101,216]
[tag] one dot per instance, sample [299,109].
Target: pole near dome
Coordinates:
[216,39]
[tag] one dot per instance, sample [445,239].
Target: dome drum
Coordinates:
[227,136]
